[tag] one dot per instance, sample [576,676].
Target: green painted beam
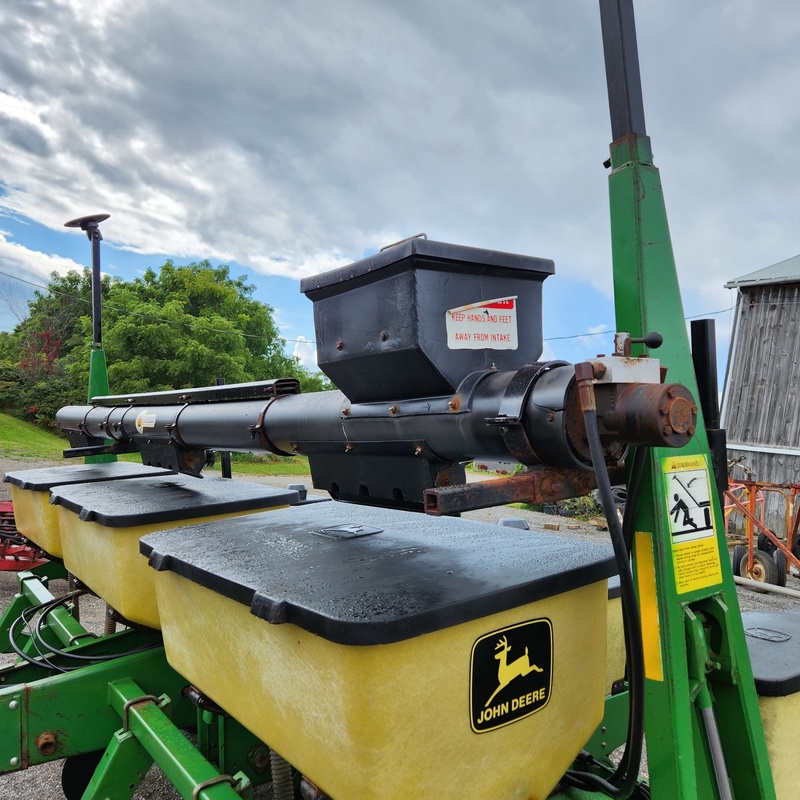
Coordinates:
[66,714]
[674,572]
[169,748]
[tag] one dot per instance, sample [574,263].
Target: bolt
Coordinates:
[13,705]
[550,416]
[259,758]
[663,410]
[14,762]
[603,729]
[345,412]
[599,370]
[339,344]
[671,393]
[348,448]
[384,336]
[418,451]
[393,409]
[667,431]
[603,745]
[691,430]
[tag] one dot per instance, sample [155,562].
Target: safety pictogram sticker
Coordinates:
[511,674]
[695,554]
[688,497]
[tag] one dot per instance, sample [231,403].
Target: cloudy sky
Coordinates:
[285,137]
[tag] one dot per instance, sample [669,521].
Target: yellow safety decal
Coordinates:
[648,606]
[511,674]
[691,522]
[696,565]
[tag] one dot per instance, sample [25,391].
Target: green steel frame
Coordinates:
[697,656]
[47,715]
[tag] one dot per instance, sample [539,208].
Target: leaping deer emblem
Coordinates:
[506,672]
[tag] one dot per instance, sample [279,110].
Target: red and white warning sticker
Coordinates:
[488,324]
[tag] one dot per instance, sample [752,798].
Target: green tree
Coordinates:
[34,379]
[175,327]
[186,326]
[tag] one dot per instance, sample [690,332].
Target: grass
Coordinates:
[24,440]
[20,439]
[267,464]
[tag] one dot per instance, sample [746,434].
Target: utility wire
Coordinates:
[609,331]
[148,316]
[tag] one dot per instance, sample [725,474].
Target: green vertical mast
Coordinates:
[704,734]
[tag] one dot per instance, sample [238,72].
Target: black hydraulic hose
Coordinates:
[623,783]
[53,604]
[632,495]
[45,650]
[24,618]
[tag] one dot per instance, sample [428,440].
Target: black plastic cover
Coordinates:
[143,501]
[45,478]
[406,574]
[773,639]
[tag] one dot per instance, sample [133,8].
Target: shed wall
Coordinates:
[761,404]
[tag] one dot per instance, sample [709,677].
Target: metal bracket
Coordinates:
[132,702]
[214,782]
[511,410]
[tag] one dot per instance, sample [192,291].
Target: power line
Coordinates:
[609,331]
[149,316]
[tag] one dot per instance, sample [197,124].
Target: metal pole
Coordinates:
[98,373]
[90,225]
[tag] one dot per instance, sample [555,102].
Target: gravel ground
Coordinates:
[44,782]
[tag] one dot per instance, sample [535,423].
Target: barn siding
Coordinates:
[761,400]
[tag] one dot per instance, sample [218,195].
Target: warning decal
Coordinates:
[488,324]
[511,674]
[695,553]
[688,497]
[145,419]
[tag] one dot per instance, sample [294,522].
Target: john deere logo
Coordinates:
[511,674]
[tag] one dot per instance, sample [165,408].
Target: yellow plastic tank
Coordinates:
[35,518]
[391,655]
[101,524]
[616,657]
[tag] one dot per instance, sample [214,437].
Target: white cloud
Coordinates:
[292,137]
[32,265]
[306,352]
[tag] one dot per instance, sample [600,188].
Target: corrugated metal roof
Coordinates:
[783,272]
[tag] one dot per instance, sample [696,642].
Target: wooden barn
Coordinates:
[760,408]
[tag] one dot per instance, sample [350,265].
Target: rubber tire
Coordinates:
[779,557]
[765,544]
[77,772]
[765,570]
[737,553]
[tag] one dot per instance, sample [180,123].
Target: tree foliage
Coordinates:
[175,327]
